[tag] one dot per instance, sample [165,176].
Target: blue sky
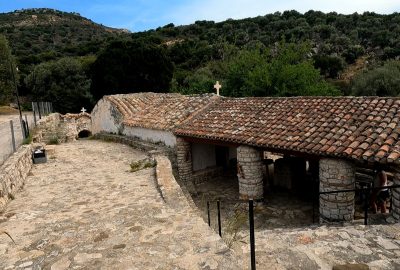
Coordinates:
[139,15]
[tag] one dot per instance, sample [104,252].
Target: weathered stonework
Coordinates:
[250,173]
[336,174]
[396,195]
[75,123]
[13,174]
[205,175]
[63,128]
[184,160]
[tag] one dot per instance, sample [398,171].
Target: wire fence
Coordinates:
[12,135]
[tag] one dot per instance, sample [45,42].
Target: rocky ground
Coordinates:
[84,209]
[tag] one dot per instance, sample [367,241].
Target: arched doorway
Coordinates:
[84,134]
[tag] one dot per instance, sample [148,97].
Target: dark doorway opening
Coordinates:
[222,156]
[84,134]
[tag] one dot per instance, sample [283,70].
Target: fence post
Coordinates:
[39,110]
[208,213]
[252,239]
[219,218]
[34,117]
[27,125]
[13,136]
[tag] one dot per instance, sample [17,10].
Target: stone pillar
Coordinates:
[184,159]
[336,174]
[396,195]
[250,173]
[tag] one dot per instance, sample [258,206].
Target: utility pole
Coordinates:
[23,128]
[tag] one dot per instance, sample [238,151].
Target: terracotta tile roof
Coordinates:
[361,128]
[159,111]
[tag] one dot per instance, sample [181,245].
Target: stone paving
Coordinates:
[287,239]
[84,209]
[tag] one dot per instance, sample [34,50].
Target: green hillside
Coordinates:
[37,35]
[62,54]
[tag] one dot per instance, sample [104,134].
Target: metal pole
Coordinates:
[34,113]
[17,96]
[27,126]
[252,239]
[208,213]
[13,136]
[38,107]
[219,218]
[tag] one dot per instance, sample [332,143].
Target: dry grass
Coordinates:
[142,164]
[7,110]
[233,226]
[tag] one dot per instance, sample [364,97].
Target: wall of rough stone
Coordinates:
[72,124]
[63,128]
[13,174]
[336,174]
[396,196]
[205,175]
[48,128]
[184,160]
[250,172]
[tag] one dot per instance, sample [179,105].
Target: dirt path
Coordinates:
[5,133]
[85,209]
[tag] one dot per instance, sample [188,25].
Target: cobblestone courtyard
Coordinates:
[84,209]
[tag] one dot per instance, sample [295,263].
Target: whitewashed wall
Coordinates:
[105,118]
[152,135]
[203,156]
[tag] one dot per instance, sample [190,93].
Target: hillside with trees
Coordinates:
[280,54]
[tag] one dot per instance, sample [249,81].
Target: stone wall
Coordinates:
[250,172]
[205,175]
[72,124]
[61,128]
[336,174]
[13,174]
[48,129]
[184,160]
[396,195]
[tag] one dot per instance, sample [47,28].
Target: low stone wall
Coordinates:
[61,128]
[171,191]
[13,174]
[205,175]
[48,129]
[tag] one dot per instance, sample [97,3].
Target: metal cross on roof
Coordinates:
[217,86]
[83,110]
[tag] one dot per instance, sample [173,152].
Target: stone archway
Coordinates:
[84,134]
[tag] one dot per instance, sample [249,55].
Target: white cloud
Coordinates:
[219,10]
